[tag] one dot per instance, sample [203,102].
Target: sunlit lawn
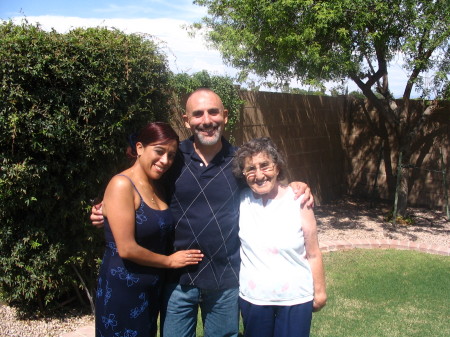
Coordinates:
[385,293]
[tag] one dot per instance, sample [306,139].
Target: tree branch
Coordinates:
[377,103]
[91,301]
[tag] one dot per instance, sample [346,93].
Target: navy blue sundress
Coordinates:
[128,294]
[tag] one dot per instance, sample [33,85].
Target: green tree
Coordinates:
[333,40]
[67,102]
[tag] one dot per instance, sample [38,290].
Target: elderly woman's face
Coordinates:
[261,173]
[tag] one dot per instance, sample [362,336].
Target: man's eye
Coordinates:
[197,114]
[213,112]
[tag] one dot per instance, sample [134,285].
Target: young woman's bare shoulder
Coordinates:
[120,183]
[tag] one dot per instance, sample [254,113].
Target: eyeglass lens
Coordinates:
[263,167]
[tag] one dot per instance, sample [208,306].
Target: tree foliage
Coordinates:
[66,103]
[331,40]
[318,41]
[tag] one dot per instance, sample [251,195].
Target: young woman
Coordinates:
[138,224]
[281,280]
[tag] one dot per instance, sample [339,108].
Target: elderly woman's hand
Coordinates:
[319,301]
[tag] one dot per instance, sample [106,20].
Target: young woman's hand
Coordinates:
[185,258]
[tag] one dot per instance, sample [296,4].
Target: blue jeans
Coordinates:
[219,309]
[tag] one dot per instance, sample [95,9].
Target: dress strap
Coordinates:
[134,186]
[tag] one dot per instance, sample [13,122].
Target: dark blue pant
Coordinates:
[276,321]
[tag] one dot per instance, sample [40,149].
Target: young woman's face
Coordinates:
[261,173]
[156,158]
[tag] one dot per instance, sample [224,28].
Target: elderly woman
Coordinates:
[281,280]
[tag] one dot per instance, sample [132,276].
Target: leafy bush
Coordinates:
[66,102]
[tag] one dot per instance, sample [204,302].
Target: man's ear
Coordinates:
[186,121]
[225,115]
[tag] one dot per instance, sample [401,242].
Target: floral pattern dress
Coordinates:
[128,295]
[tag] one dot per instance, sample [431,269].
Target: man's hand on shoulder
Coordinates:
[97,216]
[300,188]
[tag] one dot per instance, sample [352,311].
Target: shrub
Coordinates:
[66,103]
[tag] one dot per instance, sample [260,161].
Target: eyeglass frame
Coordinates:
[266,169]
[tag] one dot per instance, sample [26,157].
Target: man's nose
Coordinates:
[206,118]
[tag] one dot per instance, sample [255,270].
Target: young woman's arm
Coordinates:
[119,206]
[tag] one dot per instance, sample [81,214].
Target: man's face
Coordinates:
[206,117]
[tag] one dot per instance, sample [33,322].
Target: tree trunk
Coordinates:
[403,191]
[402,186]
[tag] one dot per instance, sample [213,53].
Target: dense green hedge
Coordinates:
[66,102]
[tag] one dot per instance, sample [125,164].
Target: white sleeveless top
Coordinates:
[274,269]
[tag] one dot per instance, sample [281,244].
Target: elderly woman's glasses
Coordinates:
[250,171]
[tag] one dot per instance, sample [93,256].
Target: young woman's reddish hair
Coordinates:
[153,133]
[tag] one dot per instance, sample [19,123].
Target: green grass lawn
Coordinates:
[385,293]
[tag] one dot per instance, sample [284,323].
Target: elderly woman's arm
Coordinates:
[314,256]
